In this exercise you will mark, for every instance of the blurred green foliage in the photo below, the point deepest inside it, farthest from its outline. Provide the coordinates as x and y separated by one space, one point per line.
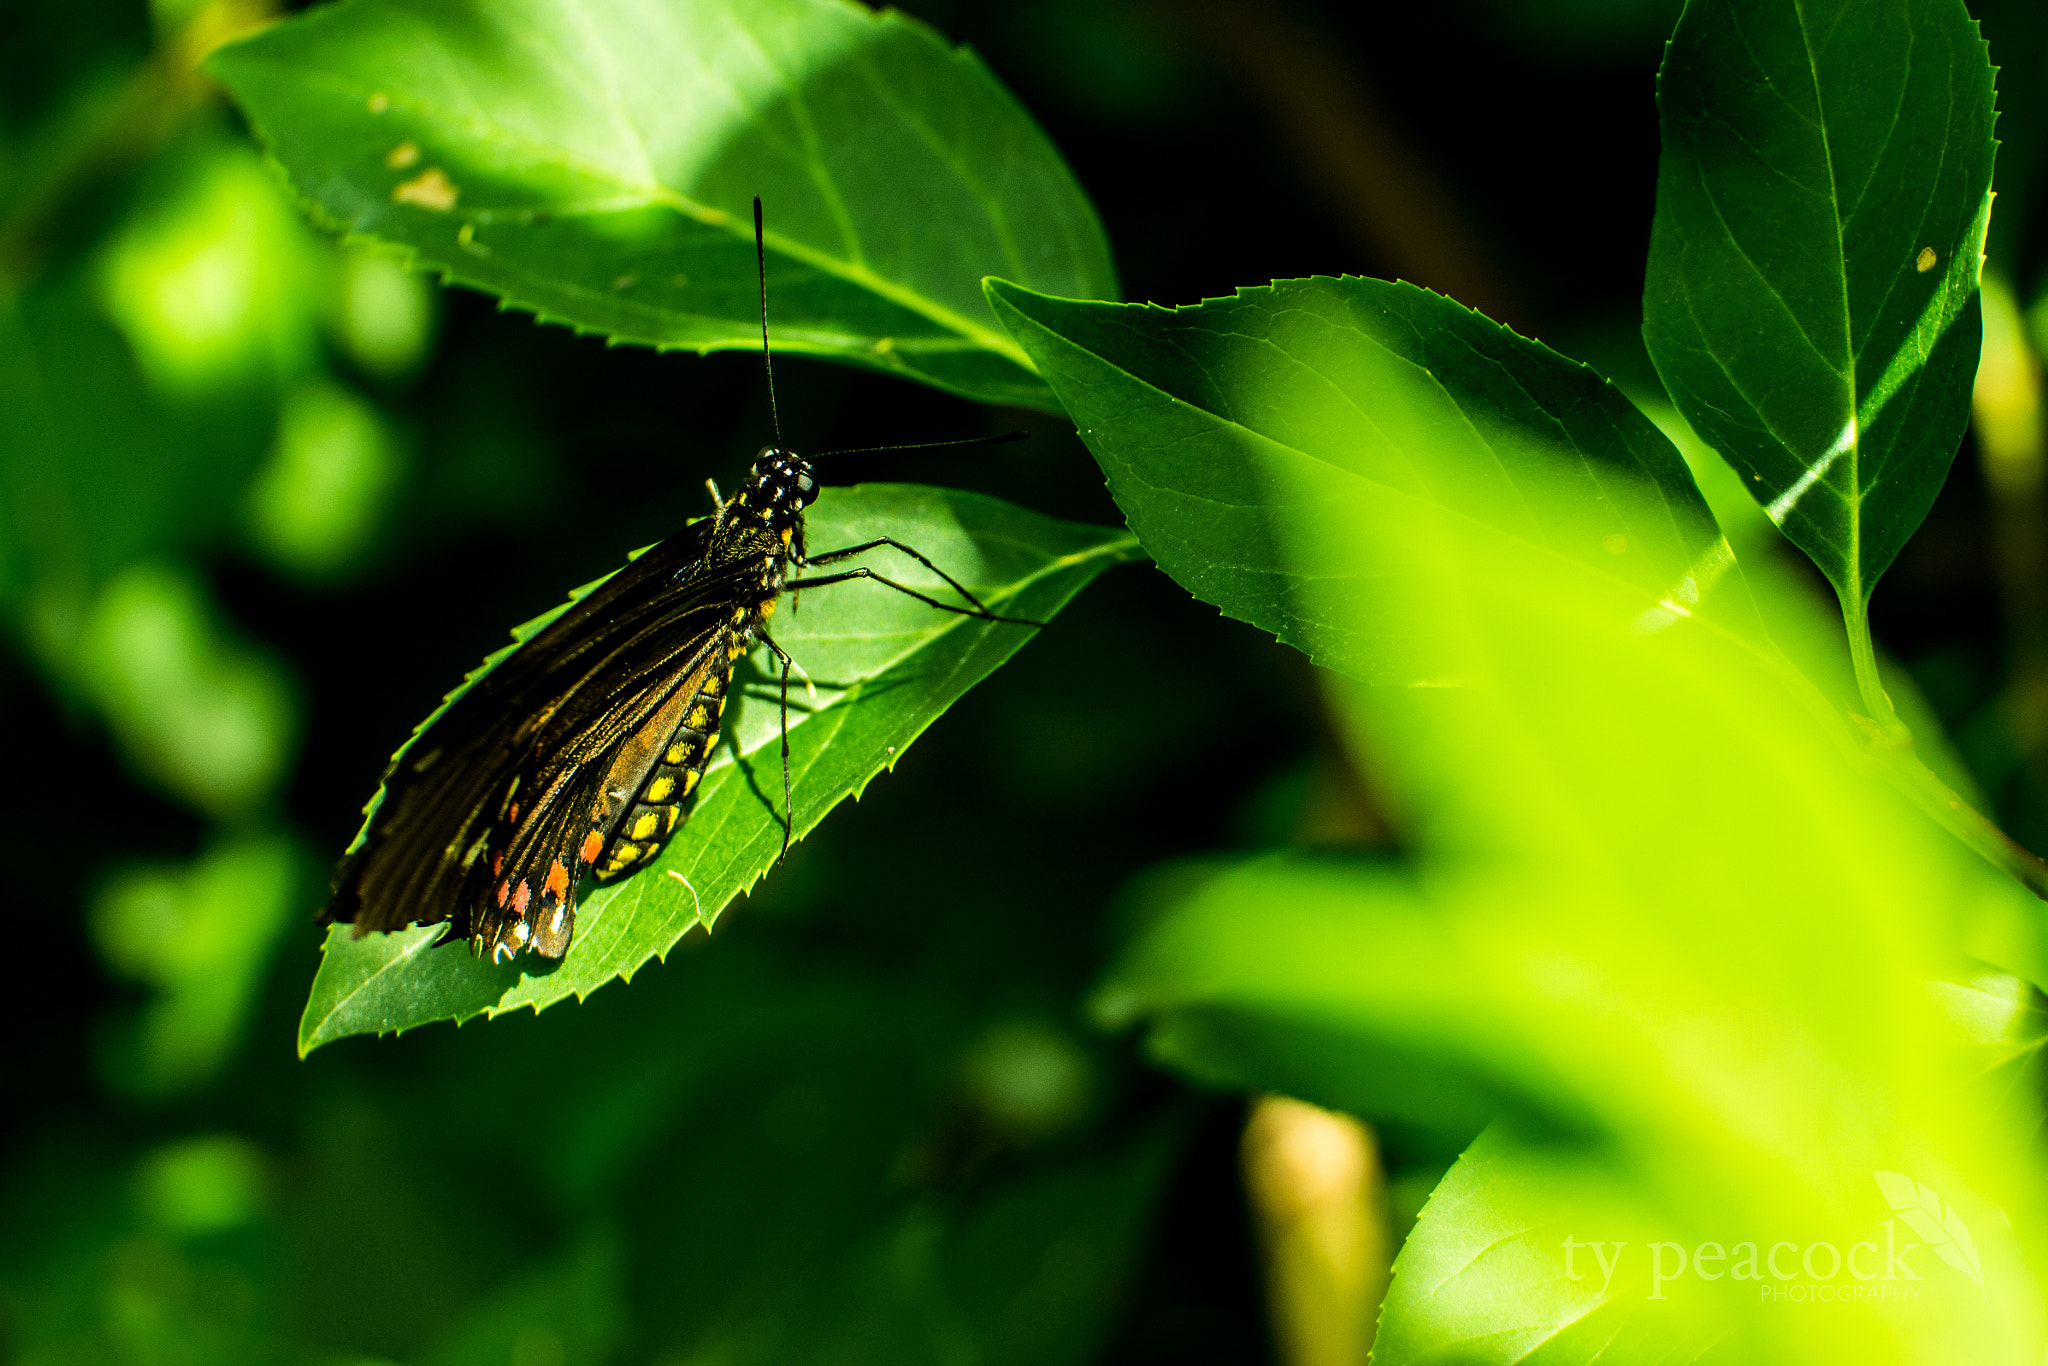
1621 932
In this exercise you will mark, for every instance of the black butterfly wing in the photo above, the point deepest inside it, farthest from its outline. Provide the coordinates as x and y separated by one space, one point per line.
539 850
540 723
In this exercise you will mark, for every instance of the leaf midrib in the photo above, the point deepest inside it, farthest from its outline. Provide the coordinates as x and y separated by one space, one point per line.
926 640
1853 498
340 1002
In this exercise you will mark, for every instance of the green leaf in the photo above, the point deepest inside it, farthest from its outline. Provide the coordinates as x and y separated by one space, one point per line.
1533 1255
1654 911
1812 295
595 163
1225 425
1333 981
883 665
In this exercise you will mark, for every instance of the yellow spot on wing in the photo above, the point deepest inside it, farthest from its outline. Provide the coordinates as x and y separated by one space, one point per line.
645 827
658 790
679 754
699 717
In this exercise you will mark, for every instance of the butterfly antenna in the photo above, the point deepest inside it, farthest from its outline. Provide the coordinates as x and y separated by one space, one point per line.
767 364
1005 439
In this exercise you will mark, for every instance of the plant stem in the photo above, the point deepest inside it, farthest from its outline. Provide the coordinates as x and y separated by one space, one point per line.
1928 792
1856 619
1892 743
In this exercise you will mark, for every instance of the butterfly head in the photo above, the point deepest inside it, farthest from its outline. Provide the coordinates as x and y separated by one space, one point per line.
779 487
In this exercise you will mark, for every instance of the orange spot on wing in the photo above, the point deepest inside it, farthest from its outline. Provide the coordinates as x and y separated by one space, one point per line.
504 890
593 845
497 867
558 880
520 899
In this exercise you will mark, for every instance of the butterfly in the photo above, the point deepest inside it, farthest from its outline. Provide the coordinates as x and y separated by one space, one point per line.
575 757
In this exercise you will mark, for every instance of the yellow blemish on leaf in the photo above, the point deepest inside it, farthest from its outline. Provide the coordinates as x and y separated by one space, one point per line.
624 282
1614 543
679 280
403 155
1924 262
379 102
430 189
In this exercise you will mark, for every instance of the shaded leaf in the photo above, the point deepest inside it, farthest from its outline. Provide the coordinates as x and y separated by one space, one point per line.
884 667
1224 426
596 163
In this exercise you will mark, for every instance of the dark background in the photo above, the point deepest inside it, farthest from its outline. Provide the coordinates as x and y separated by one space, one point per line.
1503 152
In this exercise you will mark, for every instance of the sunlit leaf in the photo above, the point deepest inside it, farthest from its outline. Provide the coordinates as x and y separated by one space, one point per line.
596 165
1655 912
1533 1255
883 665
1811 303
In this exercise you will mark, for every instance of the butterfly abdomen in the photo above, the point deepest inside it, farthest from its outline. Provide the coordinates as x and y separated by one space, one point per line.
657 808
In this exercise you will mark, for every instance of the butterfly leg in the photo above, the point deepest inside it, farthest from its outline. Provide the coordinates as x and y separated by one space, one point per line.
978 612
788 811
850 551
